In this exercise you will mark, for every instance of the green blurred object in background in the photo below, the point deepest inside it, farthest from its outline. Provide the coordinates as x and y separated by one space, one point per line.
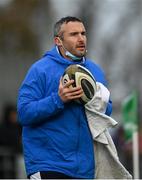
130 115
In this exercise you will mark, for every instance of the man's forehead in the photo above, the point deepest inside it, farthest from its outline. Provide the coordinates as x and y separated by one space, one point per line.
73 26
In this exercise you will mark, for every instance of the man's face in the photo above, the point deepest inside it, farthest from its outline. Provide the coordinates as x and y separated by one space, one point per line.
74 38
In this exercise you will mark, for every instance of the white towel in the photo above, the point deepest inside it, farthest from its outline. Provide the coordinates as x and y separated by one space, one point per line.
107 164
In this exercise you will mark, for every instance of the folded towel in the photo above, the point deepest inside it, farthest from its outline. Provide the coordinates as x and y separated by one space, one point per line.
107 164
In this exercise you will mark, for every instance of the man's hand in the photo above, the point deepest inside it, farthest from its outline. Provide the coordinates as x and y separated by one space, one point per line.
67 92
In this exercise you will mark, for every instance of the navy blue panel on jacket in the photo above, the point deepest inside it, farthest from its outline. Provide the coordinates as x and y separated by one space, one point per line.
55 136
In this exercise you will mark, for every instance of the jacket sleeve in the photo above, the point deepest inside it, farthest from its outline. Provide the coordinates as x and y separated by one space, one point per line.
33 107
109 108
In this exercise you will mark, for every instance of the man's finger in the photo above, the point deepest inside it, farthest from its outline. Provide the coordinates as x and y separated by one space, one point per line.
68 83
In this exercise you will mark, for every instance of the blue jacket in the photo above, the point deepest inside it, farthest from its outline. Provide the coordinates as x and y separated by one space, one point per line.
55 135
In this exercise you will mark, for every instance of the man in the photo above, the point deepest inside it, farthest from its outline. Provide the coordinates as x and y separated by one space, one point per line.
57 141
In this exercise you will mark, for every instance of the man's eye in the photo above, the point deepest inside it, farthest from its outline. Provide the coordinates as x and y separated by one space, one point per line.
74 34
83 33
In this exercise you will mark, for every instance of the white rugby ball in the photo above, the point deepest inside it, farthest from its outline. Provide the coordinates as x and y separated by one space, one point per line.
82 77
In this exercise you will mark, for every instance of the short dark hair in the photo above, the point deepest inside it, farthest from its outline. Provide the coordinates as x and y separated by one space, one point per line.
58 24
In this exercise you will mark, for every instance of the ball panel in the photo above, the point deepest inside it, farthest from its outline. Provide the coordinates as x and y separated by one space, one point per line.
88 88
86 82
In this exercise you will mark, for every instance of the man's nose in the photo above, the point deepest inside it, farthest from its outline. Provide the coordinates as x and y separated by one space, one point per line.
81 37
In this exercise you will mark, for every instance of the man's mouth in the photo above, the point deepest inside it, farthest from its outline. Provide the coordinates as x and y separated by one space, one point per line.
81 48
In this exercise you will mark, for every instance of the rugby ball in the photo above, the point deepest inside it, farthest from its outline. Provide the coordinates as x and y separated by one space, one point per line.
82 77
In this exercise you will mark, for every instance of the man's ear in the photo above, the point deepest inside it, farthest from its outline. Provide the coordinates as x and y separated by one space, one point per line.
57 41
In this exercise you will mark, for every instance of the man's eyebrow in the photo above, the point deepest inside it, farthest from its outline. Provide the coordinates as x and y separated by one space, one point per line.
77 32
74 32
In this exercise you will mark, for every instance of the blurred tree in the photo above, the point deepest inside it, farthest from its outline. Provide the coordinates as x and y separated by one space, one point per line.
16 36
16 31
25 28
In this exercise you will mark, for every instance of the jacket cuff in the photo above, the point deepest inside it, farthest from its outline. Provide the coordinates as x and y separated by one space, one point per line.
57 100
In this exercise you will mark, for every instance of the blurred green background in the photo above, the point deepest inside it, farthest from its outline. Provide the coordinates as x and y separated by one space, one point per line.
114 42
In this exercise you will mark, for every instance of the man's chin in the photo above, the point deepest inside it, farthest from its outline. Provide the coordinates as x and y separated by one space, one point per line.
81 53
